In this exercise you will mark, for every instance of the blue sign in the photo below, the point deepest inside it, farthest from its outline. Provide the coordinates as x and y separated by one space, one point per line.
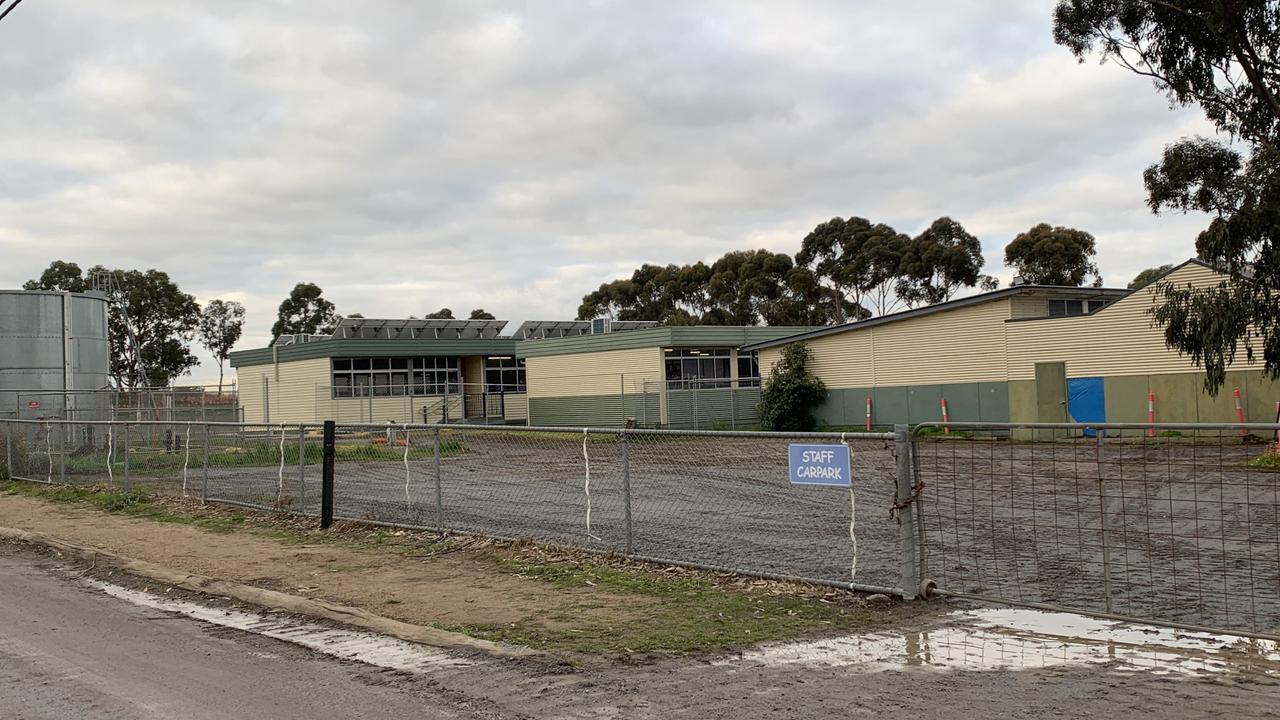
819 465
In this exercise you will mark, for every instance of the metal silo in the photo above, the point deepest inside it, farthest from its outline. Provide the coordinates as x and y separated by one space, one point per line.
53 344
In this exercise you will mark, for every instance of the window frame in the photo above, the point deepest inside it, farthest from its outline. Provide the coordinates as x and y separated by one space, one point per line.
692 364
395 376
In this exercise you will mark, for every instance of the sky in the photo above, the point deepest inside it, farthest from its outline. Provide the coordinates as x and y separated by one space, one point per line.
514 155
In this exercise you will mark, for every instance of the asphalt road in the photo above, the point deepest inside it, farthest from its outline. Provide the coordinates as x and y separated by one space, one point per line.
69 652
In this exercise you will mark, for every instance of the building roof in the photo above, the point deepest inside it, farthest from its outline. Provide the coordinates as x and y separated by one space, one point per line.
661 336
414 329
357 347
546 329
1070 292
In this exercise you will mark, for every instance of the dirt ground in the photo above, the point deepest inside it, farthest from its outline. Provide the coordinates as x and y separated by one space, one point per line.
1174 529
453 588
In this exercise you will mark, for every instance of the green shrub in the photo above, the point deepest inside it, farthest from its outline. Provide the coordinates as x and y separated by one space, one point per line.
1268 461
791 393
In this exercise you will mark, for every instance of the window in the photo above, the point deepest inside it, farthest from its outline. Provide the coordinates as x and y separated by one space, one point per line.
693 368
383 377
504 374
1064 308
748 369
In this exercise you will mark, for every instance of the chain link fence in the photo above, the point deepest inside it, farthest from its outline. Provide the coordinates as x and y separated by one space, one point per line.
715 500
1174 524
1178 524
169 404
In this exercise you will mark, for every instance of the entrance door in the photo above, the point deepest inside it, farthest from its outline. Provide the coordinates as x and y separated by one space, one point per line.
1051 392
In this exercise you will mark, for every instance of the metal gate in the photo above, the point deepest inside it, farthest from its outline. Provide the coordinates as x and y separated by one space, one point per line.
1165 523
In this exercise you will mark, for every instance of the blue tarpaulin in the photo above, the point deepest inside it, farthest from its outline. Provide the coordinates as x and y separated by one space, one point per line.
1086 401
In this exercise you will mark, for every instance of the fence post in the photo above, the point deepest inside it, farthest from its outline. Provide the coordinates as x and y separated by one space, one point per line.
127 485
326 478
62 454
1102 521
626 487
909 573
302 469
204 477
439 490
8 450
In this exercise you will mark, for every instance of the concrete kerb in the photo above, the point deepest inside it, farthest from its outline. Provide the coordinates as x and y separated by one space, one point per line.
271 599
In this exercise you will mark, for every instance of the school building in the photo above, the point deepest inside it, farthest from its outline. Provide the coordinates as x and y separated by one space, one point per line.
689 377
597 373
1027 353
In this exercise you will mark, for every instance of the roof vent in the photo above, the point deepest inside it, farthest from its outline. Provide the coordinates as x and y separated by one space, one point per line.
601 326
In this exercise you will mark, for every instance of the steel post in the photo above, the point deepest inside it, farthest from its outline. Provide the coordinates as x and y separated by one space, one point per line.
204 477
326 477
127 485
626 488
439 483
909 571
62 454
1102 520
302 469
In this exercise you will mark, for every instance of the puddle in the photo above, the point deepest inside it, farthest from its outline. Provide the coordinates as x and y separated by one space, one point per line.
1015 639
369 648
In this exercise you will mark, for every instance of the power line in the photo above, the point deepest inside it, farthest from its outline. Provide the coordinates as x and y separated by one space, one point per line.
9 9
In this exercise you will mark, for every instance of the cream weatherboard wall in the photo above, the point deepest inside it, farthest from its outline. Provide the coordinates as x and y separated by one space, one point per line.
290 389
1120 339
955 346
907 368
1121 344
596 388
981 359
299 392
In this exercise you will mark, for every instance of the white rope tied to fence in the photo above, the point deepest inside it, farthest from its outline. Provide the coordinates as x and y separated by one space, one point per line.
280 478
111 446
586 462
853 518
186 459
407 499
48 450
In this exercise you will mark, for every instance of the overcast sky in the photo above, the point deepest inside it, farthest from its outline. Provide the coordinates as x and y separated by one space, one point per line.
411 155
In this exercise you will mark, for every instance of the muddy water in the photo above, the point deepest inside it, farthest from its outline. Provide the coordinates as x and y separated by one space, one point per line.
1013 639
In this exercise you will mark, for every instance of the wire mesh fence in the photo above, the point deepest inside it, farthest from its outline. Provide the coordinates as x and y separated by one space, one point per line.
1169 523
169 404
719 500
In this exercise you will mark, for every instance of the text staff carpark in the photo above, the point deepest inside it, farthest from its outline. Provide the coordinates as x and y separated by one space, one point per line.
819 465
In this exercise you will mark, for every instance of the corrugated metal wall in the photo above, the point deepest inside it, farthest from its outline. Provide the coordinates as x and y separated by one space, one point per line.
713 408
640 408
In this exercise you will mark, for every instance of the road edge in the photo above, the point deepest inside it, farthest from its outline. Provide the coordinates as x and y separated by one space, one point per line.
275 600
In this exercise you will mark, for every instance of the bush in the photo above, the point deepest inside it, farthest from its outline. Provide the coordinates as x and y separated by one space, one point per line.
791 393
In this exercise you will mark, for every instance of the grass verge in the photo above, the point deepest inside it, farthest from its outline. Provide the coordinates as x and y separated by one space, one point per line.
693 611
1268 461
659 610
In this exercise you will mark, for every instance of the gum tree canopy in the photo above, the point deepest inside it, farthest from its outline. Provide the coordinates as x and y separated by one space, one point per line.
1222 56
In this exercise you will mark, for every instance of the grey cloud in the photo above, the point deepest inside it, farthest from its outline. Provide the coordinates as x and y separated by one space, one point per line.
514 155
